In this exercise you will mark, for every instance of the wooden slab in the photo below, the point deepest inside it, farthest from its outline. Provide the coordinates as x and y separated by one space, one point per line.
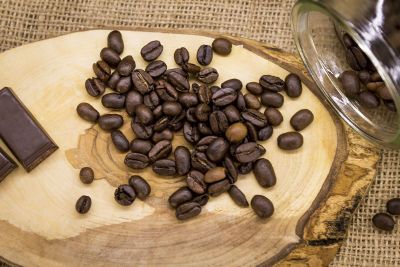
319 186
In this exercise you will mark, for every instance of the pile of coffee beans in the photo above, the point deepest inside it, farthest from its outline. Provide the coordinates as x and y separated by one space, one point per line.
384 220
363 82
222 124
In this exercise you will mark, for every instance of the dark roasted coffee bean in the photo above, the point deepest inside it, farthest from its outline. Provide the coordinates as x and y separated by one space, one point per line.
179 80
222 46
164 167
166 91
373 86
204 142
245 168
264 173
115 41
102 70
254 88
383 221
204 55
290 140
350 82
191 133
203 112
142 131
182 160
141 186
235 84
151 100
195 87
214 175
375 77
224 96
140 146
119 140
83 204
231 170
204 129
188 210
110 56
113 100
180 196
236 132
293 85
191 115
151 51
114 79
161 124
133 99
274 116
271 99
126 66
160 150
95 87
217 149
204 94
252 132
171 108
200 162
364 76
176 122
262 206
157 112
86 175
181 56
196 183
237 196
218 122
356 58
301 119
240 103
214 89
165 134
156 68
232 113
142 81
191 68
188 100
384 93
144 114
218 188
348 41
248 152
87 112
178 71
124 85
255 117
201 199
125 195
136 160
265 133
272 83
110 122
252 101
208 75
393 206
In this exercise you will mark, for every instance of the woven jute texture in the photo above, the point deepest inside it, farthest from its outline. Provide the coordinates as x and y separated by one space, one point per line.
268 21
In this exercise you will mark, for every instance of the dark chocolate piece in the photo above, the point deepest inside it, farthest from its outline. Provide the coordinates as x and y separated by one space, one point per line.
7 165
22 134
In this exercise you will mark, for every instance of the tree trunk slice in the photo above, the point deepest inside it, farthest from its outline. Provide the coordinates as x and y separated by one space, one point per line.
319 186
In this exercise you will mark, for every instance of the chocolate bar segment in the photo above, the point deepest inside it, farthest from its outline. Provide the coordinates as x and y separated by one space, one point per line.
22 134
7 165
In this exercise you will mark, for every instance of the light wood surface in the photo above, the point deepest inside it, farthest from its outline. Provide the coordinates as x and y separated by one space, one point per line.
318 186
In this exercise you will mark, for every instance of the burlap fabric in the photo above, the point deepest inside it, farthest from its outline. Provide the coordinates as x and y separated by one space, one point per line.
268 21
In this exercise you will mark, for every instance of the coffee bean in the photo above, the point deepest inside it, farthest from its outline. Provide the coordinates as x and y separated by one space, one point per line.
141 146
188 210
237 196
224 96
264 173
95 87
204 142
87 112
191 68
373 86
350 82
188 100
204 129
222 46
252 101
231 170
245 168
232 113
203 112
290 141
390 105
301 119
180 196
271 99
262 206
240 103
115 41
384 93
265 133
160 150
176 122
144 114
162 121
125 195
141 186
181 56
151 100
195 87
136 160
166 91
218 122
113 100
218 188
215 174
201 199
102 70
255 117
110 56
191 133
368 99
156 68
124 85
252 132
383 221
182 160
204 94
248 152
126 66
179 81
201 163
119 140
214 89
254 88
274 116
217 149
164 167
142 81
151 51
83 204
236 132
195 181
235 84
364 76
204 55
393 206
142 131
110 122
190 115
272 83
133 99
171 108
208 75
356 58
165 134
157 112
86 175
114 79
293 85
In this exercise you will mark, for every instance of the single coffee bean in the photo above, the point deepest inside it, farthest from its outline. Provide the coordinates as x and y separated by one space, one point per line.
204 94
262 206
236 132
393 206
195 181
142 131
87 112
350 82
214 89
161 124
204 55
224 96
115 41
83 204
114 79
125 195
144 114
390 105
272 83
142 81
293 85
201 199
237 196
368 99
235 84
232 113
179 81
133 99
95 87
102 70
231 170
164 167
165 134
383 221
222 46
182 160
119 140
364 76
265 133
301 119
188 100
218 122
248 152
191 68
152 50
204 129
110 56
171 108
255 117
290 141
254 88
156 68
180 196
136 160
203 112
178 71
240 103
151 100
215 174
271 99
208 75
110 122
157 112
188 210
126 66
218 188
201 163
181 56
166 91
252 132
383 92
245 168
141 186
252 101
348 42
124 85
86 175
356 58
375 77
204 142
274 116
191 133
217 149
160 150
113 100
190 115
373 86
141 146
264 173
195 87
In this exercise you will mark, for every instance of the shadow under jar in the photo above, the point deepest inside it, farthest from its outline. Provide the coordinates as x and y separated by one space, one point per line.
329 34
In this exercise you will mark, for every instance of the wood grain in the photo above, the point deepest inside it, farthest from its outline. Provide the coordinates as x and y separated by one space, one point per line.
318 186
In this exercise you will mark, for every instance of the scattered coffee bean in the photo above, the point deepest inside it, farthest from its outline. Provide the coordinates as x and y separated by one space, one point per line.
191 133
165 134
235 84
125 195
179 81
164 167
201 163
240 103
124 85
217 149
142 131
245 168
293 85
102 70
151 100
182 160
113 100
224 96
110 56
271 99
201 199
383 221
218 188
265 133
368 99
254 88
95 87
166 91
136 160
252 101
115 41
188 100
272 83
188 210
142 81
264 173
290 141
191 68
236 132
232 113
86 175
204 142
274 116
203 112
301 119
248 152
204 94
144 114
222 46
393 206
133 99
218 122
255 117
195 181
151 51
114 79
231 170
350 82
356 58
119 140
160 150
237 196
215 174
262 206
204 55
156 68
252 133
181 56
141 186
171 108
87 112
83 204
180 196
208 75
110 122
141 146
126 66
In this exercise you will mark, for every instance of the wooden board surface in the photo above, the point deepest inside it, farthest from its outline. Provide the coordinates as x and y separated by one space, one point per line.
318 187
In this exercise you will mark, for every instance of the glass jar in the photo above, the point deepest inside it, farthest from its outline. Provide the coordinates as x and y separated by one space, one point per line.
324 31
